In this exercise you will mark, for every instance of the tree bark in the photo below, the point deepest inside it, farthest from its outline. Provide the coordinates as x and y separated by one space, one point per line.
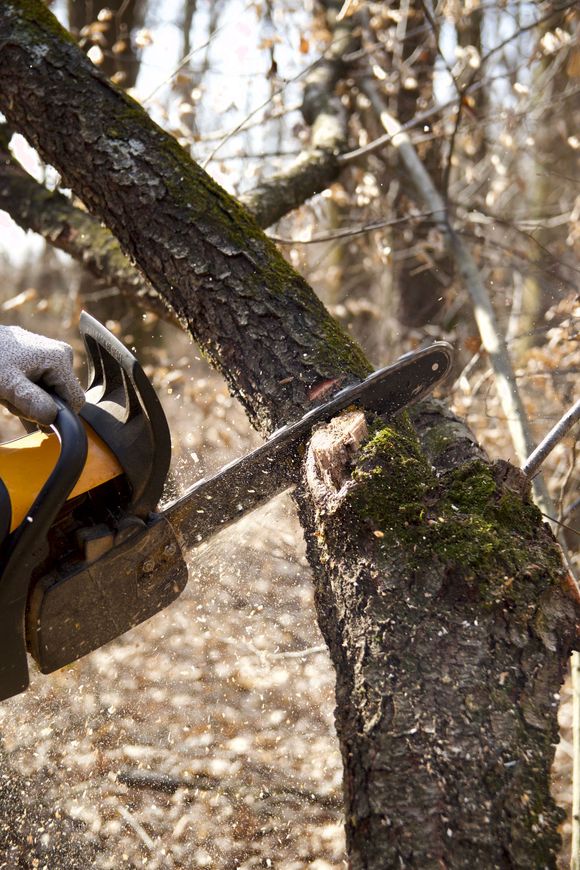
72 230
449 642
439 590
199 248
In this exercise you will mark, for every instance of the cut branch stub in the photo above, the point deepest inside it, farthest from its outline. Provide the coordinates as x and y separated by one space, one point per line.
331 449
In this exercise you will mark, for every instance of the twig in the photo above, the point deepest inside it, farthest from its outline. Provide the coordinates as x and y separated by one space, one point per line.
185 60
216 135
349 231
317 166
274 94
137 827
556 10
534 462
560 524
299 653
231 787
378 143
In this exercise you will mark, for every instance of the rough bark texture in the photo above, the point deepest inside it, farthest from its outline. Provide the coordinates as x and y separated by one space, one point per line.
439 590
198 247
443 601
68 228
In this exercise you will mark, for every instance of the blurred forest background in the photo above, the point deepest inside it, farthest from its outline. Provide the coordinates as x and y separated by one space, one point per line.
205 738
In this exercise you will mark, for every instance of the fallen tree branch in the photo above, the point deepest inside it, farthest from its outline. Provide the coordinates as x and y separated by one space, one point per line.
232 787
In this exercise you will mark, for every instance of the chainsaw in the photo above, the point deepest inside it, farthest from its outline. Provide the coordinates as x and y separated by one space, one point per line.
85 551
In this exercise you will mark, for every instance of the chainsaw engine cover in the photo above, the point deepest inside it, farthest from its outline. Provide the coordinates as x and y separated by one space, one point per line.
76 608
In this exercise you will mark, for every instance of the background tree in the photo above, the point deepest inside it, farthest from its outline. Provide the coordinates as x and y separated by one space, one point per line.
439 592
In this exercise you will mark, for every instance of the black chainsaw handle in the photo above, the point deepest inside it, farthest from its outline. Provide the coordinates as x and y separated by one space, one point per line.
26 547
69 429
71 434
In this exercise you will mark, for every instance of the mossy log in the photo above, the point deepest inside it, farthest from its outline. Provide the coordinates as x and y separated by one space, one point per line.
439 590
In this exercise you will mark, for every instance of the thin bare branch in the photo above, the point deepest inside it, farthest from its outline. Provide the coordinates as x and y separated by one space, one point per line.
342 43
491 337
185 60
274 116
351 231
378 143
322 109
536 459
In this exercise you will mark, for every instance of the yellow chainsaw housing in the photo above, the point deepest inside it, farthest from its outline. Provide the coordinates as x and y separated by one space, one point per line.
26 463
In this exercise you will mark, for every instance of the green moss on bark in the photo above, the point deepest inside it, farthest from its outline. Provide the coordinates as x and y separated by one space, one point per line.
465 519
234 229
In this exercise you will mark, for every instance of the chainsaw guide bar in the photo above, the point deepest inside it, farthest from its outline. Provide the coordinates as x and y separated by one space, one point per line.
90 560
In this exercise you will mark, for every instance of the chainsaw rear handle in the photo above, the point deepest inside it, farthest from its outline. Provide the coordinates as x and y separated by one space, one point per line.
27 547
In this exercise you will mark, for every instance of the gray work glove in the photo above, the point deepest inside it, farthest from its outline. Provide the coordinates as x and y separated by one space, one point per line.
27 359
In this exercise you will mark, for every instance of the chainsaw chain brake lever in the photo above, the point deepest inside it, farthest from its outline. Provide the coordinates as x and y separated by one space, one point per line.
123 409
27 547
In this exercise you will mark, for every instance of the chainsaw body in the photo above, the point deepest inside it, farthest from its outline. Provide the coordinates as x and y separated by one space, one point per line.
85 552
83 555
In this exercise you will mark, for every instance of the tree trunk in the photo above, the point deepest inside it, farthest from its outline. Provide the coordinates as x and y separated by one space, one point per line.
449 642
440 592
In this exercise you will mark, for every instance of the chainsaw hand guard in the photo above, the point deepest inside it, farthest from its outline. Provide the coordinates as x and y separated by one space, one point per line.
124 411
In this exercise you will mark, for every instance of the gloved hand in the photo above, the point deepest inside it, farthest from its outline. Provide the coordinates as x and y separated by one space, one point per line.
26 359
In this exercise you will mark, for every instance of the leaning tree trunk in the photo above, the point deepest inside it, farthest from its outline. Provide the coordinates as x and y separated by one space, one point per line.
439 590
